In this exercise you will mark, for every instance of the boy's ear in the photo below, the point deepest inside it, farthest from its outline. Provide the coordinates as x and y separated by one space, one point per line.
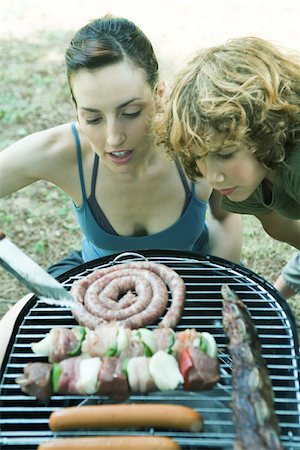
160 95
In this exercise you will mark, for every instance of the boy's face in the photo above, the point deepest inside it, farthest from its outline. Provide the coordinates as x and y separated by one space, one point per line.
232 169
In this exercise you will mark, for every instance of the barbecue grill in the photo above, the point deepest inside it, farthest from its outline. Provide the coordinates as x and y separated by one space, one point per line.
24 421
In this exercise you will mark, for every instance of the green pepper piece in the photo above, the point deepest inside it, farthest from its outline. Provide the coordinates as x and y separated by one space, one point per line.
56 372
77 349
171 343
147 350
111 351
203 344
124 365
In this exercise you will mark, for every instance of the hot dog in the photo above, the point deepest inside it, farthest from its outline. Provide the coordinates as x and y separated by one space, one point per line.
127 415
111 443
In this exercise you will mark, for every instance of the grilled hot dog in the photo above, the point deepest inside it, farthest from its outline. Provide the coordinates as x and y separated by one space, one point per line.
111 443
127 415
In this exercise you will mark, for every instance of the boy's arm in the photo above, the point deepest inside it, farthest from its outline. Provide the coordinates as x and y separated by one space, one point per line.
281 228
225 231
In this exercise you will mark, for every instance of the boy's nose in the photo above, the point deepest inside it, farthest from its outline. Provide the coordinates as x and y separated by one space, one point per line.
210 171
215 177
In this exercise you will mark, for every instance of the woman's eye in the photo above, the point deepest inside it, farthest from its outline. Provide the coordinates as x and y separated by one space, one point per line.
132 115
93 121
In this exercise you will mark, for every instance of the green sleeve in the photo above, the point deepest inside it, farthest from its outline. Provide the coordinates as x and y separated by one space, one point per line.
251 206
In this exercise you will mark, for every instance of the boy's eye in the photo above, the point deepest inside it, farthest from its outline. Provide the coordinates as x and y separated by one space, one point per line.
225 155
196 158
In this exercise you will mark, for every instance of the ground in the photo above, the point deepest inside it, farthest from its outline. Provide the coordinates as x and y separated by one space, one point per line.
34 95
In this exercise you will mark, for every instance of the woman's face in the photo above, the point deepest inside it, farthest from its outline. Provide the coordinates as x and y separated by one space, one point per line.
232 170
115 106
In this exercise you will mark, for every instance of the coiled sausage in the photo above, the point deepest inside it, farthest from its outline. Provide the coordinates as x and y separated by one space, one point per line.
97 295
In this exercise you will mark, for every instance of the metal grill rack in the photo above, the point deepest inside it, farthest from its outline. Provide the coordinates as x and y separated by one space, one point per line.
24 421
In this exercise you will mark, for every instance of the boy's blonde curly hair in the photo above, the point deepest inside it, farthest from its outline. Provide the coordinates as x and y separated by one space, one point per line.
247 90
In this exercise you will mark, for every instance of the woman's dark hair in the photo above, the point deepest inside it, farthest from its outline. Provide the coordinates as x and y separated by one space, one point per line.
110 40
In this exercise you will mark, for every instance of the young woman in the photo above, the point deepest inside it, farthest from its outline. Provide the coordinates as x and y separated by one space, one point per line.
127 195
233 118
125 192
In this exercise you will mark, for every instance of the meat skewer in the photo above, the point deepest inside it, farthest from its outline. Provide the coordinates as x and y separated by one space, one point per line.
116 377
101 376
139 353
113 340
256 424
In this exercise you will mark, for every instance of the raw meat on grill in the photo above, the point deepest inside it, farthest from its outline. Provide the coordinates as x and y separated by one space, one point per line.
100 376
60 343
36 380
112 380
113 340
67 372
256 424
202 371
111 376
104 340
143 285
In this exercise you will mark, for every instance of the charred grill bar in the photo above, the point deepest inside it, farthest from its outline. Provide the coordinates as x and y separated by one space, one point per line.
24 421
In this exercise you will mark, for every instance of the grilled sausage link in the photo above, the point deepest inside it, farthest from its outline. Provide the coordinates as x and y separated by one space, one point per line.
97 295
127 415
111 443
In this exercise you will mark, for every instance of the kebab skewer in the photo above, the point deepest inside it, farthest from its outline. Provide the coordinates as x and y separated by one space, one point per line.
114 340
117 377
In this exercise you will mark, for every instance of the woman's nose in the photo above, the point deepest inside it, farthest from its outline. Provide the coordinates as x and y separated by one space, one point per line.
115 135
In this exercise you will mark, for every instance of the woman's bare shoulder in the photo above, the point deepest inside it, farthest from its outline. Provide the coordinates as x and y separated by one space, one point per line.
53 141
43 143
38 156
57 148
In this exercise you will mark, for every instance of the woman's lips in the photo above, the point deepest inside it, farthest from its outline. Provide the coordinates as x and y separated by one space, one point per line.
226 191
120 156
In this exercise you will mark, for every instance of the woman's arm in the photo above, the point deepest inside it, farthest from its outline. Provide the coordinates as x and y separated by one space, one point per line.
7 324
16 164
225 231
281 228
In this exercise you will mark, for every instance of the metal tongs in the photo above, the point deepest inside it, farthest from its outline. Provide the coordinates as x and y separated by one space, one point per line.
33 276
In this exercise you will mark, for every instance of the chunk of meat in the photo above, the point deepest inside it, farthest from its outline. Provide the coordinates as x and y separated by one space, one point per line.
256 424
